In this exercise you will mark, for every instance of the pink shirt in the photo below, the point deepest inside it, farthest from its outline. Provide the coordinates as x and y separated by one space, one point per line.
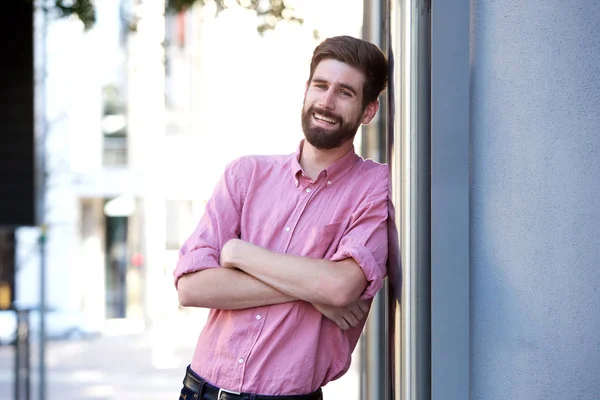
288 348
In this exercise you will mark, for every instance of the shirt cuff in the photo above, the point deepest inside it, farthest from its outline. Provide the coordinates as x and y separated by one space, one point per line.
364 258
192 262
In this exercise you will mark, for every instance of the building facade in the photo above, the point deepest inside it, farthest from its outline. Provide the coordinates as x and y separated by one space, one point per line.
493 146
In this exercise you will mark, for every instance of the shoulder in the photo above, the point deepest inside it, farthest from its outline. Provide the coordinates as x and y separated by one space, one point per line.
374 171
253 164
373 179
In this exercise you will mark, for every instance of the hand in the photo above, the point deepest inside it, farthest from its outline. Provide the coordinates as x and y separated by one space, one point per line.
345 317
228 253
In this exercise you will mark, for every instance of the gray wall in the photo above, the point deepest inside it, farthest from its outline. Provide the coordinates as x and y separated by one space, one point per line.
535 199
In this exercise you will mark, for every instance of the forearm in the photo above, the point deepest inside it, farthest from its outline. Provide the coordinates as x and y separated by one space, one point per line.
226 289
309 279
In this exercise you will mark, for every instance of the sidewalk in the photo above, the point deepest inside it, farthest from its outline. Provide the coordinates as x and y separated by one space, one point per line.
139 365
125 366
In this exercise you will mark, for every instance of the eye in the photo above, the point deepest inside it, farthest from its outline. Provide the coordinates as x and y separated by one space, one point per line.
321 86
346 93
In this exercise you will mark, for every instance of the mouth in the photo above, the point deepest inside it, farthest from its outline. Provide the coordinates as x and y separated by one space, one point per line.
325 120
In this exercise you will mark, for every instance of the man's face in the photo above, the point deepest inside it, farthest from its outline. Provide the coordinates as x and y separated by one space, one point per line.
332 110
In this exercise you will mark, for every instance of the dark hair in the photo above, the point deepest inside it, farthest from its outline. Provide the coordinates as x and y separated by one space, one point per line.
360 54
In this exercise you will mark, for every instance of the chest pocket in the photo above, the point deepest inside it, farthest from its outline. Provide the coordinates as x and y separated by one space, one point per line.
322 241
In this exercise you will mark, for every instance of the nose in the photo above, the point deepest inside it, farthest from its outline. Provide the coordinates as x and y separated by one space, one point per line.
327 100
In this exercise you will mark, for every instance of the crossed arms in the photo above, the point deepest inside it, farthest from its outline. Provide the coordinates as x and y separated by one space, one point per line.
216 270
251 276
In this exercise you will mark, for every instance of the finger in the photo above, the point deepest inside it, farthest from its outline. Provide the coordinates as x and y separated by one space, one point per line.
356 311
364 305
351 319
341 322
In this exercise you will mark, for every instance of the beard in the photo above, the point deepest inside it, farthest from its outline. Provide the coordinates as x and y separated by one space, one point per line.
327 139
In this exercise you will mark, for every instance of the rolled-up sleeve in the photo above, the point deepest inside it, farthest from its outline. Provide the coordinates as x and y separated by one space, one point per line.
366 238
219 223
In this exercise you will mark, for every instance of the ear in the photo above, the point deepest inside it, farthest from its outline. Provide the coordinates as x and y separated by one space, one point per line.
370 111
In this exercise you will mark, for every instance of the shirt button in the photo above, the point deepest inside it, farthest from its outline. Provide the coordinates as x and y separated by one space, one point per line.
241 360
329 182
258 317
307 190
287 228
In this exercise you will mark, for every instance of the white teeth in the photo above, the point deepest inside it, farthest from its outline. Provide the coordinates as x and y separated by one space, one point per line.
324 118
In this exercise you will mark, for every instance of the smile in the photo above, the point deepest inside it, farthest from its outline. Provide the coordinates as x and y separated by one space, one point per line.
321 117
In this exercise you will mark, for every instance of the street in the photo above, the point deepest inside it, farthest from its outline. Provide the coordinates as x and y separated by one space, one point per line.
125 362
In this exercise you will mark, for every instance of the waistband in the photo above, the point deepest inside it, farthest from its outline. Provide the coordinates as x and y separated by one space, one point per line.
199 386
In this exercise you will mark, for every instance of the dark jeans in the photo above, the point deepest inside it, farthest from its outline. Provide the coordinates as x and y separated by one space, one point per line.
187 394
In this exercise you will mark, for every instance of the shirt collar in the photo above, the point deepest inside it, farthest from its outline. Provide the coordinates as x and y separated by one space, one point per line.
334 171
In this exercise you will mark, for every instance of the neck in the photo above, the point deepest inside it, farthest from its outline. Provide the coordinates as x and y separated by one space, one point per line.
313 160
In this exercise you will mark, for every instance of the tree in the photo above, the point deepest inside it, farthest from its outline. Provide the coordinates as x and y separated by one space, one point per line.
269 12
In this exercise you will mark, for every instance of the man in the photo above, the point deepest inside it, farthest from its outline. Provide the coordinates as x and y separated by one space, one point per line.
291 249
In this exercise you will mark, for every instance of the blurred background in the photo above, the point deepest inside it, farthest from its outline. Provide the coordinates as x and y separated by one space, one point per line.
117 117
138 107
